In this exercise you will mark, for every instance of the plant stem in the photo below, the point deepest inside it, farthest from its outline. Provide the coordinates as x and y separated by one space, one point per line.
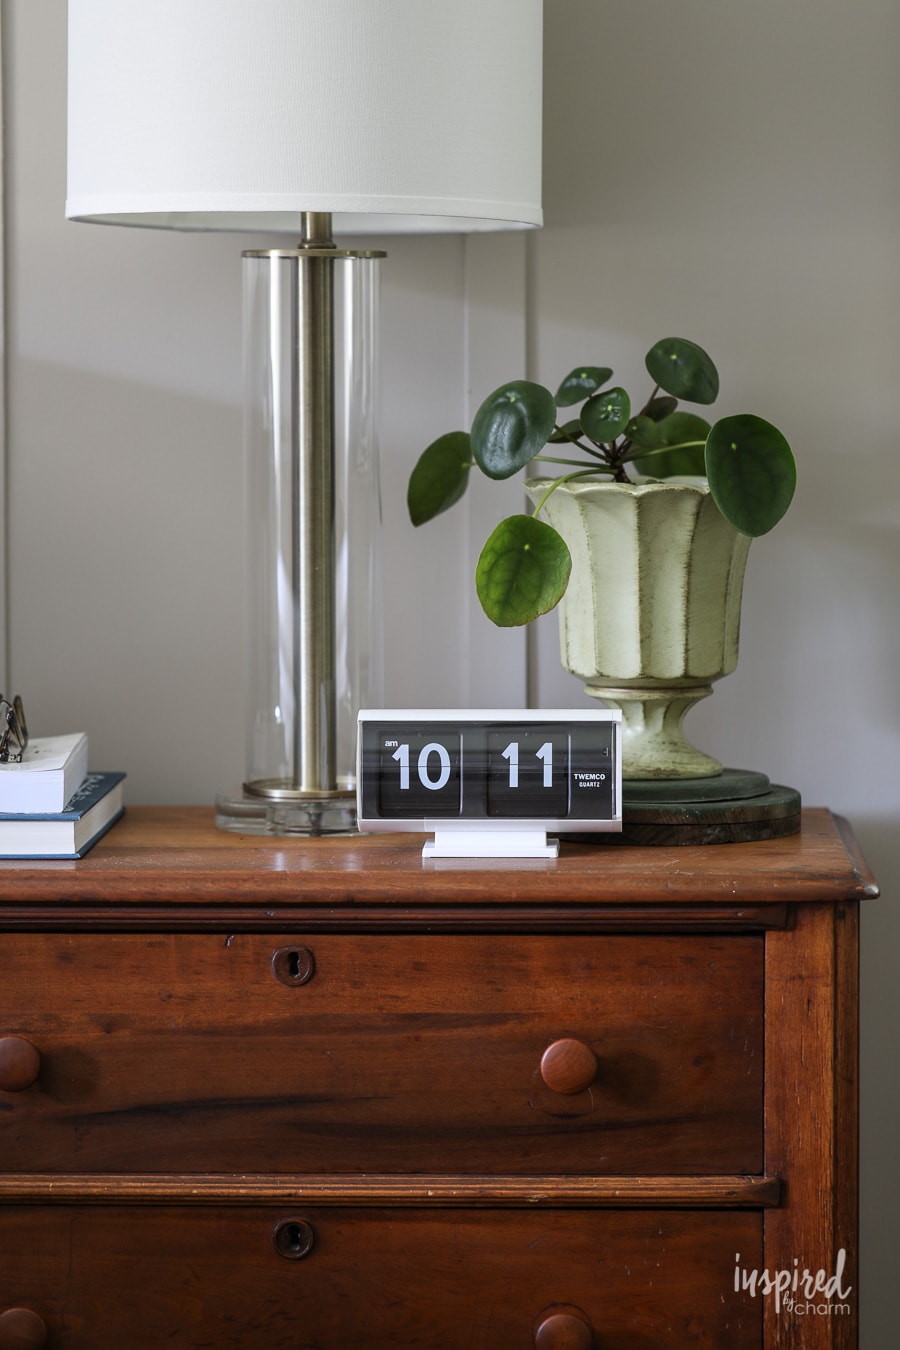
664 449
557 482
594 450
643 411
552 459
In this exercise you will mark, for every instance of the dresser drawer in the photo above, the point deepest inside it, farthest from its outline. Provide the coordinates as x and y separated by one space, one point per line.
102 1277
348 1053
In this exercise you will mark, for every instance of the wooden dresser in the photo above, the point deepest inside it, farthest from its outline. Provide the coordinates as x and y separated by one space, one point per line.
319 1095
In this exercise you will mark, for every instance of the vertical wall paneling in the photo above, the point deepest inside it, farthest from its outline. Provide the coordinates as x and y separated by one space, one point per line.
495 351
4 569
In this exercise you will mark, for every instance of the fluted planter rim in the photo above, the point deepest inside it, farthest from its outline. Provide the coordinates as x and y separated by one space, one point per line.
582 487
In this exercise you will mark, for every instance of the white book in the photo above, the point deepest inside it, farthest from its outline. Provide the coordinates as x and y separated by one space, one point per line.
52 770
89 813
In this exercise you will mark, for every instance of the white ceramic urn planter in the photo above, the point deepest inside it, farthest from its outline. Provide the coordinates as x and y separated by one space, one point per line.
651 616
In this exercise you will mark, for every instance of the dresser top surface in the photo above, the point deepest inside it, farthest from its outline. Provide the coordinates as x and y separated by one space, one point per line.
176 856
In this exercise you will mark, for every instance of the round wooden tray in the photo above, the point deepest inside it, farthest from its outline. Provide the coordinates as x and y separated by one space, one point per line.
737 806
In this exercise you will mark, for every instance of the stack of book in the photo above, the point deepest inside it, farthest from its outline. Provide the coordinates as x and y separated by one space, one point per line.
51 805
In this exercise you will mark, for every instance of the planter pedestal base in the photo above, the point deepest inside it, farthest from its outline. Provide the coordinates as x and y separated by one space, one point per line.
654 746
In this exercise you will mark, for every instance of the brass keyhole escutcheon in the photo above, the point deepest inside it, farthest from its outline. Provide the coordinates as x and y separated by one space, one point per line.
293 965
293 1239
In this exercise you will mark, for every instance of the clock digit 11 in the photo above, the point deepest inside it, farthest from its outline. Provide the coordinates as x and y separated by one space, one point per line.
545 753
527 773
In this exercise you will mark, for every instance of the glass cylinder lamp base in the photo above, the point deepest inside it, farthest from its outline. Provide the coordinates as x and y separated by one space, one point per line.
310 815
314 644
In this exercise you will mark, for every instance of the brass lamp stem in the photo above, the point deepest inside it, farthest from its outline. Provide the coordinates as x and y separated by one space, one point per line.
313 505
315 230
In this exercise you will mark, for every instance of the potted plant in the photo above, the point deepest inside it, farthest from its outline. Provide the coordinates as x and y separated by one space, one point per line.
641 539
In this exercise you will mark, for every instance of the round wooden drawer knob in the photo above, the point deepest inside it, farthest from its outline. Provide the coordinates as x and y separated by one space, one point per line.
22 1329
568 1066
567 1329
20 1064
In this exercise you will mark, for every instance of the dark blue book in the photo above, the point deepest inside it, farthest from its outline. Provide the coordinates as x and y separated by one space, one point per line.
89 813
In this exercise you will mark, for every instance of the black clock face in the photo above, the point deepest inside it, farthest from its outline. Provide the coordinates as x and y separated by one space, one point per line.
487 770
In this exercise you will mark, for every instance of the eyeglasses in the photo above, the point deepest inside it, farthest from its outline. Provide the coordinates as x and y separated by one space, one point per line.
13 730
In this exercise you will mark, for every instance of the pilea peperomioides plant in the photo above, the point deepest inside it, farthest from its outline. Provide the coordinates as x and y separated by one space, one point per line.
524 567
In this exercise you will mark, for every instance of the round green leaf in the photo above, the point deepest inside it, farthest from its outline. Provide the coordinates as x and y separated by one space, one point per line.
523 571
568 432
440 476
684 370
751 472
581 383
687 459
512 426
643 432
660 407
605 416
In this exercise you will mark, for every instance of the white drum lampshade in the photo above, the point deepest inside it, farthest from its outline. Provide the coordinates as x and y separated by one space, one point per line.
392 115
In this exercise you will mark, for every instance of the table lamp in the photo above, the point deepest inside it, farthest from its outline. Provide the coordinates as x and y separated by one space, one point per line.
307 117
